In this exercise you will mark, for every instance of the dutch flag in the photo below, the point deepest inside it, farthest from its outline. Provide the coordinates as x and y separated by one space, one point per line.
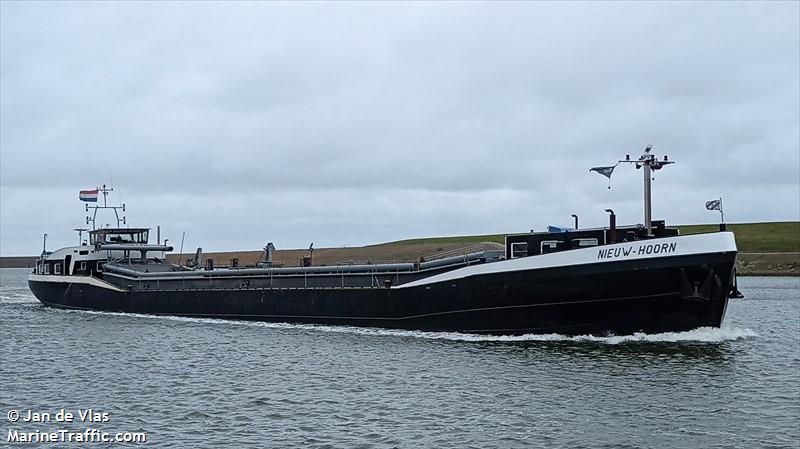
90 196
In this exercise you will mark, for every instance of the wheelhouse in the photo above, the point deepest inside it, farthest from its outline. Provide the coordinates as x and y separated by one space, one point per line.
118 235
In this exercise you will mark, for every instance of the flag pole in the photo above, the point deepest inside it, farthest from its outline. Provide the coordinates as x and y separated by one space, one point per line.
721 214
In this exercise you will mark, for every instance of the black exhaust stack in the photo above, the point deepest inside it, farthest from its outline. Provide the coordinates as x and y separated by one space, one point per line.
612 225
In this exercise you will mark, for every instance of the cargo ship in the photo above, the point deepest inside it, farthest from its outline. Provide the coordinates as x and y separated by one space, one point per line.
614 280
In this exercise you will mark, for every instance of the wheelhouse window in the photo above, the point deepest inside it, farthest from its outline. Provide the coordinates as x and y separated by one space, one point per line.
47 268
100 266
551 246
38 268
519 249
119 236
83 266
56 268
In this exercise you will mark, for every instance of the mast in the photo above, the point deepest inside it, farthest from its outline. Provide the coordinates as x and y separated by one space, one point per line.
650 163
648 195
105 206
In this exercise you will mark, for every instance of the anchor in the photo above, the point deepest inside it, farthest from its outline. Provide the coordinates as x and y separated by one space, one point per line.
735 293
697 291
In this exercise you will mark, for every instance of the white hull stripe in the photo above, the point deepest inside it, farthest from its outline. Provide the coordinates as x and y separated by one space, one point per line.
86 280
685 245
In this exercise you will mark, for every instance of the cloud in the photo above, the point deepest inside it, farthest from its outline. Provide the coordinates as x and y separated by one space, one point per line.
392 120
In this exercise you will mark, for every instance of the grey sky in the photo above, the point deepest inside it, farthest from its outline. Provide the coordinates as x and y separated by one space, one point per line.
357 123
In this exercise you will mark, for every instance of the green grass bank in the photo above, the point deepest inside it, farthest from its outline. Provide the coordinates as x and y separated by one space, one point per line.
764 249
775 237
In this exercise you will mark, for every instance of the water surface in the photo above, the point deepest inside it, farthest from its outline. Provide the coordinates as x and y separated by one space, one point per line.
213 383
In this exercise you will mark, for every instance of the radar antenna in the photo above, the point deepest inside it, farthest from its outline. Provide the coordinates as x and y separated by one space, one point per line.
80 234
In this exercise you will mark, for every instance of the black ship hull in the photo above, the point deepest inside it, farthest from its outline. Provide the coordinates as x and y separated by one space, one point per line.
657 294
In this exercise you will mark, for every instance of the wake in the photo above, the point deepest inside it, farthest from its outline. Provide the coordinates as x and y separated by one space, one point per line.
699 335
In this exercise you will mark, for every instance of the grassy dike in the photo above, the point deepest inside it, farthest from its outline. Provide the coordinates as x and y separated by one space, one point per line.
778 237
764 249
